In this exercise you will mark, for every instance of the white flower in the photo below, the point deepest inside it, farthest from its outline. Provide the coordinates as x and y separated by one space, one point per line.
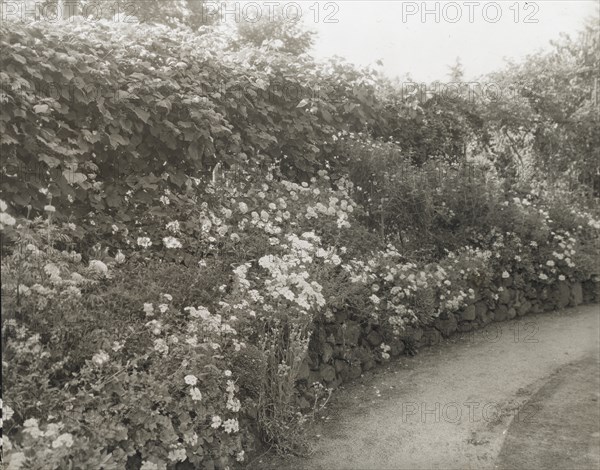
148 309
200 312
216 422
120 257
177 455
17 460
144 242
163 308
169 297
165 200
31 423
231 425
155 326
173 226
196 394
100 358
6 219
243 207
550 263
190 438
50 208
171 242
227 373
7 412
505 275
65 439
3 206
234 405
240 456
160 346
23 290
52 270
190 379
561 277
147 465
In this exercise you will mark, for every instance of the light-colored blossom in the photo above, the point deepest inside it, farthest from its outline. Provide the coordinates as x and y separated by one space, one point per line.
190 379
64 440
231 425
144 242
216 422
100 358
171 242
196 394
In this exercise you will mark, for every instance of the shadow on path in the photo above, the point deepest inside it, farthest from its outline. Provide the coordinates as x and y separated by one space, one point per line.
452 406
562 428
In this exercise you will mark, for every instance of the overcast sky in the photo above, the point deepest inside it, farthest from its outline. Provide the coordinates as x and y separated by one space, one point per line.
406 41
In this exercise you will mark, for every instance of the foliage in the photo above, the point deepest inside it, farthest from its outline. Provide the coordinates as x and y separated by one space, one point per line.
107 127
197 207
547 116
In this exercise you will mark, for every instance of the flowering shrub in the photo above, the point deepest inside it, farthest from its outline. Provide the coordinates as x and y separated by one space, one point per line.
136 353
174 319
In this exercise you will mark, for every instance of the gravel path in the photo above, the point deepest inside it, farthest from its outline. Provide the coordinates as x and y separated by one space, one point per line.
453 405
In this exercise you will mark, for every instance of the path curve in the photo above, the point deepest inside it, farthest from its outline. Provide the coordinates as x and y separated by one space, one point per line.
452 405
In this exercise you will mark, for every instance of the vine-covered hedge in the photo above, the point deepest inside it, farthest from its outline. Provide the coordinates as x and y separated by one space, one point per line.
158 317
97 111
163 356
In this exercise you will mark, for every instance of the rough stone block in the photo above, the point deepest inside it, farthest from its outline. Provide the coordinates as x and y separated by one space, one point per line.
470 312
340 352
304 370
327 353
447 325
483 315
355 371
313 359
341 316
352 333
341 366
524 308
501 313
563 293
327 373
397 347
465 326
374 338
430 337
576 294
504 296
413 334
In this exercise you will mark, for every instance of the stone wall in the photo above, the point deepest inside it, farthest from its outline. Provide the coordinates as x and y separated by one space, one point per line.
344 347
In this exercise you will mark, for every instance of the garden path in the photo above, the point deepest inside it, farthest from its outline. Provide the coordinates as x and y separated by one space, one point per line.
472 402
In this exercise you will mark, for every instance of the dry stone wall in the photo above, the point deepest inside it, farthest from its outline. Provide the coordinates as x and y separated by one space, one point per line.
345 347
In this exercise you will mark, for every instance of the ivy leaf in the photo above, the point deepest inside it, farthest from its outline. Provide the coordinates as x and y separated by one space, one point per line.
302 103
52 162
41 109
143 115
